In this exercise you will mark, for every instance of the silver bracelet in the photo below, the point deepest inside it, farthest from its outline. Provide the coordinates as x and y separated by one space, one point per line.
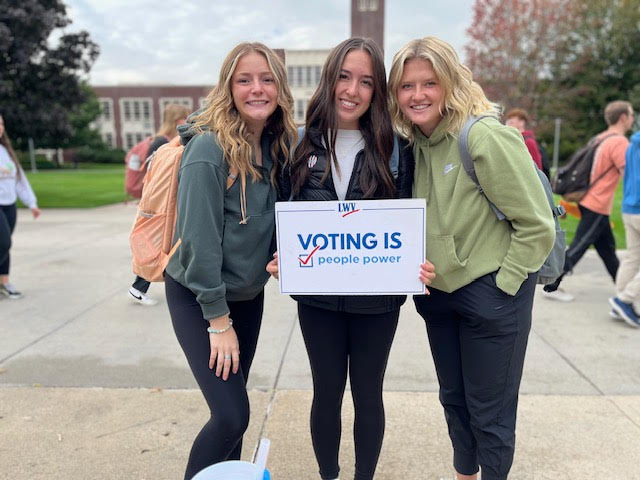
222 330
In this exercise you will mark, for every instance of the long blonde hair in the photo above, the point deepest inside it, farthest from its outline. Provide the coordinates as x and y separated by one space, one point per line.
462 96
220 115
172 114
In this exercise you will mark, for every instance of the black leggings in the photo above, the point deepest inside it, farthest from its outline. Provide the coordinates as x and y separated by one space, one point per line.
221 437
338 342
7 224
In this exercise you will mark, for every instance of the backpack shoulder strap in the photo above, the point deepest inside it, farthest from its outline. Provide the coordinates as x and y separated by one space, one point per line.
394 161
467 161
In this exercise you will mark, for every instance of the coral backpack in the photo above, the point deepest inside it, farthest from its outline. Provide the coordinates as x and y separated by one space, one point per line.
151 238
136 167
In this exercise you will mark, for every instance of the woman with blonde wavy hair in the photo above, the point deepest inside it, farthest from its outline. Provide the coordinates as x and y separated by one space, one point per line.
478 315
226 195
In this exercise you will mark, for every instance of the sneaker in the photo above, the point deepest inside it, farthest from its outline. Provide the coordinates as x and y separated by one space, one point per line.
613 314
9 291
141 297
559 295
626 311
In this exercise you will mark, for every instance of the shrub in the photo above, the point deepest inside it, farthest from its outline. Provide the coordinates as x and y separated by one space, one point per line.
99 155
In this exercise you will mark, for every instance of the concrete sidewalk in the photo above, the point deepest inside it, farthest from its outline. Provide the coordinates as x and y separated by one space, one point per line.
94 386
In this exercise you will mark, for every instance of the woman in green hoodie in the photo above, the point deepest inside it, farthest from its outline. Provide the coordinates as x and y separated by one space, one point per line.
226 195
478 315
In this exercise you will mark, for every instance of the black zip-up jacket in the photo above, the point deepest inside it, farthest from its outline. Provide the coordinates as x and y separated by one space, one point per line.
316 190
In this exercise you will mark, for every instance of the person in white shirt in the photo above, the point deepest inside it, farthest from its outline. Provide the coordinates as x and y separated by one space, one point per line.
13 185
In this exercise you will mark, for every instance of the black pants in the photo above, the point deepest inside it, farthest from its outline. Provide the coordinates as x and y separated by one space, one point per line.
593 229
141 284
478 336
7 224
337 343
221 437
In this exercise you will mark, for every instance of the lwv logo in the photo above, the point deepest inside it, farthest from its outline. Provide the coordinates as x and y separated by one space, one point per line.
348 208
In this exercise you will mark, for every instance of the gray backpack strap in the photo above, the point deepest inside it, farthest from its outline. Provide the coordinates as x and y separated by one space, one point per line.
395 158
467 161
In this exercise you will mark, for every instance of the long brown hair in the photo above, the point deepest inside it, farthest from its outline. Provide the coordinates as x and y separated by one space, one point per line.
375 125
6 142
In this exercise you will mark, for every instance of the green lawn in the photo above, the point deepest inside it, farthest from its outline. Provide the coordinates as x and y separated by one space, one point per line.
79 188
570 223
100 184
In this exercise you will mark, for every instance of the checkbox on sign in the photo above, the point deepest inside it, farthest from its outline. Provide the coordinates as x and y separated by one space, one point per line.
305 260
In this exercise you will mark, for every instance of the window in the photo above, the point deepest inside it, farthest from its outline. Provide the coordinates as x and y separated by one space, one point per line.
146 109
136 110
367 5
127 110
106 109
300 104
108 139
129 141
164 101
290 76
309 81
138 137
299 73
318 74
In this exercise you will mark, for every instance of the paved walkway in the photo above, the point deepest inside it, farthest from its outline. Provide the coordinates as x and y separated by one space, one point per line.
93 386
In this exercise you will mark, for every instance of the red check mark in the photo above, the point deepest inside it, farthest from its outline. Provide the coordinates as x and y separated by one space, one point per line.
349 213
305 261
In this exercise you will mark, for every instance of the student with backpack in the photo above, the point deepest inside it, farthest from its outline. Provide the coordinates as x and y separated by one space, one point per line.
595 201
13 185
172 116
478 314
226 196
344 154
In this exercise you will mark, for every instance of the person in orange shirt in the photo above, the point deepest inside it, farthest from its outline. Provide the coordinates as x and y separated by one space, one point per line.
594 227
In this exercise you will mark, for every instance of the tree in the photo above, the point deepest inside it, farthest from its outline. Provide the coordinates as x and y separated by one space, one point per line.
40 85
512 46
597 63
557 58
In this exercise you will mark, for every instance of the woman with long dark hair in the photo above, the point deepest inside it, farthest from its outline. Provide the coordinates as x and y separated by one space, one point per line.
13 185
344 155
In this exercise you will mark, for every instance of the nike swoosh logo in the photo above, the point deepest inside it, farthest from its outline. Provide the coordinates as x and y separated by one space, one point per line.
448 167
135 296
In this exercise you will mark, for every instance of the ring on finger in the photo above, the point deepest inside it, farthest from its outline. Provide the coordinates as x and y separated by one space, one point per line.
227 357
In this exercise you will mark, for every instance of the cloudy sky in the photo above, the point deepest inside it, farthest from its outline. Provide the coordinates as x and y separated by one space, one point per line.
186 42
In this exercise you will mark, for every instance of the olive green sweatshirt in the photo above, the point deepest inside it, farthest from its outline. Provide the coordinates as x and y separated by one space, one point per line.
219 258
464 238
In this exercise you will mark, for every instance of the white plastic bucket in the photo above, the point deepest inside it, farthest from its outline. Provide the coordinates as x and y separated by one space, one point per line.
232 470
239 470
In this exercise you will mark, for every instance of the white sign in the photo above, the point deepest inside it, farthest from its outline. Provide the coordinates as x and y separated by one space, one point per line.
361 247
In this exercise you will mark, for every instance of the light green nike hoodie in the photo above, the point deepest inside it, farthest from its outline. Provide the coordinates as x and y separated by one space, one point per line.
464 239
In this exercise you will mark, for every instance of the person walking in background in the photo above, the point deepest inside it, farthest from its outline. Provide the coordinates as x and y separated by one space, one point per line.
13 185
214 283
344 155
628 276
595 207
518 119
478 314
172 116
